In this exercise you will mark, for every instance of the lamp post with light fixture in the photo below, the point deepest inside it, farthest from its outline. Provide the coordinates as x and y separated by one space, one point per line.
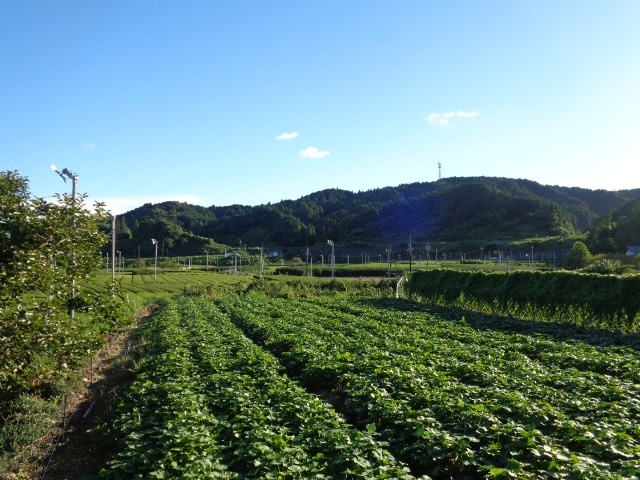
66 173
155 264
333 257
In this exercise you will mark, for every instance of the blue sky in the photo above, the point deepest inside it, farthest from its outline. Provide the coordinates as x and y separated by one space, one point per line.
249 102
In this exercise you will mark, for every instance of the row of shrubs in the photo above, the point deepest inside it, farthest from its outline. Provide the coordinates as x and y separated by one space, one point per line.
602 301
338 272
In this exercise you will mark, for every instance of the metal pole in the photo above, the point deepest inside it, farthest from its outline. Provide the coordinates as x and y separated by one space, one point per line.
155 264
74 180
113 248
73 259
333 257
261 264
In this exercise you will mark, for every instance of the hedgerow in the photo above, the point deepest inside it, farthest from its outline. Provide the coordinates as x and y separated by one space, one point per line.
603 301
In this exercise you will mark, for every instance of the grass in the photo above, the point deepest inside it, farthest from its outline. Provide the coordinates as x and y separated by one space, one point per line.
141 289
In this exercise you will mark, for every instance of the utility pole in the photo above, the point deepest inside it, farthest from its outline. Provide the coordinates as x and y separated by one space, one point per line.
113 248
155 264
410 250
307 258
261 264
532 256
333 257
74 180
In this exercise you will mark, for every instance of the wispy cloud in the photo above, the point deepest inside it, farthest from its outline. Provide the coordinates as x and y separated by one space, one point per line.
89 146
443 118
313 152
287 136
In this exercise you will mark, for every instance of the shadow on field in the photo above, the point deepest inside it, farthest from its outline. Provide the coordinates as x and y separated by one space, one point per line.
557 330
81 452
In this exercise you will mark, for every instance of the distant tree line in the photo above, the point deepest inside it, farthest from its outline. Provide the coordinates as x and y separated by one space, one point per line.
473 209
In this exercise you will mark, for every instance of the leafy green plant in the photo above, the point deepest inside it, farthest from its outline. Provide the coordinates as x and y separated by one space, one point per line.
606 302
578 257
605 266
27 419
50 322
458 396
204 392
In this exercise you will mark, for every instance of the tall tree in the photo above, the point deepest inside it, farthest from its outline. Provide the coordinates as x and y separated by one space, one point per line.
578 257
47 253
122 230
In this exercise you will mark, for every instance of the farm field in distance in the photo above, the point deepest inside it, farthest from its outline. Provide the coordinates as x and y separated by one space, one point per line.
258 386
141 289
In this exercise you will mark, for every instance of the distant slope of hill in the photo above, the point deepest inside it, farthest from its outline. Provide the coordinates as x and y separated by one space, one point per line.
616 231
450 209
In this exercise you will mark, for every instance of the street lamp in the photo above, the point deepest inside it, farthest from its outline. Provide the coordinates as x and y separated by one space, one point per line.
155 265
330 242
64 175
68 174
388 263
531 256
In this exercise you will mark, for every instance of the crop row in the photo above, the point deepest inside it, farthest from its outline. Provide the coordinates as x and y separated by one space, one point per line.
452 399
208 403
604 301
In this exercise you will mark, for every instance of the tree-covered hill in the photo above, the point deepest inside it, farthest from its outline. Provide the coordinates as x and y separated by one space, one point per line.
173 224
450 209
616 231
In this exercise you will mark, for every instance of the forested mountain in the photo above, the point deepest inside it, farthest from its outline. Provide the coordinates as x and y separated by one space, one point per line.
617 231
450 209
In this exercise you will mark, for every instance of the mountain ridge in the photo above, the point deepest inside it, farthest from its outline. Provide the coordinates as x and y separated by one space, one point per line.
446 210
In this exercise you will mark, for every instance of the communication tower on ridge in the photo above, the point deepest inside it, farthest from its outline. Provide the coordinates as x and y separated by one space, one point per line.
439 171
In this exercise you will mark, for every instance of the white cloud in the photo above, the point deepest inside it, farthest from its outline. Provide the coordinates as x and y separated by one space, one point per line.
120 205
89 146
313 152
443 118
287 136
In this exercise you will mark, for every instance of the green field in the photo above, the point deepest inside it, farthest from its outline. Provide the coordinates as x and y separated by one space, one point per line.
144 289
255 386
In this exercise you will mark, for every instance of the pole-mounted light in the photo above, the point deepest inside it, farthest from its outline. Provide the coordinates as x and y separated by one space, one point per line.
155 265
333 257
65 172
64 175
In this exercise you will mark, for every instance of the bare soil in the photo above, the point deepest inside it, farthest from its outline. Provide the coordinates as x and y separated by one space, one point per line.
75 453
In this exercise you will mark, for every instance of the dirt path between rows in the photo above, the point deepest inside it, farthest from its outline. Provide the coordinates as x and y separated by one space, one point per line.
75 454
